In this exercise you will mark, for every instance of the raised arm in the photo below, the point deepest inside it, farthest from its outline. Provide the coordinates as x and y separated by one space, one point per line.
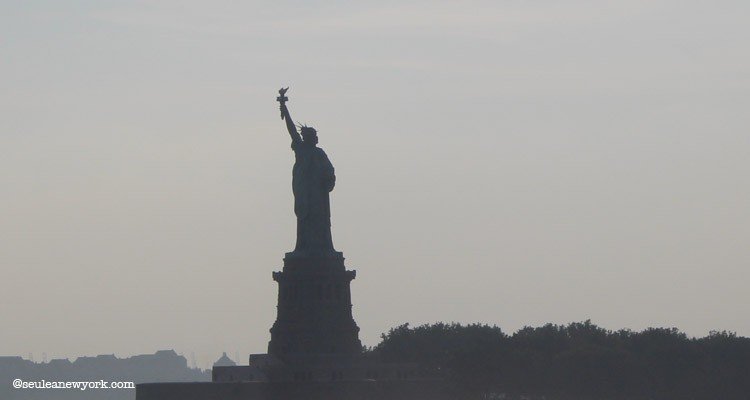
296 139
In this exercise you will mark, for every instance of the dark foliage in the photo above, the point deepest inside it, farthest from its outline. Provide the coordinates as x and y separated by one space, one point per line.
577 361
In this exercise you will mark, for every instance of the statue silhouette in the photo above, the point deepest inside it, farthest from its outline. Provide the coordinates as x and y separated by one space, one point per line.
312 179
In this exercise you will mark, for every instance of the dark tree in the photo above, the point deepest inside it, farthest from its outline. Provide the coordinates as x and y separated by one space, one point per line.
578 361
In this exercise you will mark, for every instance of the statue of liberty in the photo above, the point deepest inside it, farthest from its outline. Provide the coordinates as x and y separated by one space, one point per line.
312 180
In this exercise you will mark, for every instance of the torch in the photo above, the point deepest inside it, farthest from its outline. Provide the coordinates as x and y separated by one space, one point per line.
282 99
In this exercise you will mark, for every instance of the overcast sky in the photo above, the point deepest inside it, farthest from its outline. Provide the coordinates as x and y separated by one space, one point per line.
507 162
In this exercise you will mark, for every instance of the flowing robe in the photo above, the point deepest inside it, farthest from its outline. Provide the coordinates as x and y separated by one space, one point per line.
312 179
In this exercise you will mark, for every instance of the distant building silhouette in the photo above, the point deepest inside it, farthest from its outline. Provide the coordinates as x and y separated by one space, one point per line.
162 366
224 361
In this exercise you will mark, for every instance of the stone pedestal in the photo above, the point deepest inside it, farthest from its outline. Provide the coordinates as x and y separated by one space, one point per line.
314 311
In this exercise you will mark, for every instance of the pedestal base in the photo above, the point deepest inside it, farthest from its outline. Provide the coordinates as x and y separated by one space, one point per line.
307 377
314 313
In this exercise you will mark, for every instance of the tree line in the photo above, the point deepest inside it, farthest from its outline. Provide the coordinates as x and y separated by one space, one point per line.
576 361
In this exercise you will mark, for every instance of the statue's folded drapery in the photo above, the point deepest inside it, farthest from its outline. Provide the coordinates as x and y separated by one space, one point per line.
312 179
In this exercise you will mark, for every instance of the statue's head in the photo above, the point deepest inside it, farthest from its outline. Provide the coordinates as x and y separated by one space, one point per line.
309 135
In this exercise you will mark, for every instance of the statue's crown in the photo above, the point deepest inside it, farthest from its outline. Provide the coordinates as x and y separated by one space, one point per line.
307 130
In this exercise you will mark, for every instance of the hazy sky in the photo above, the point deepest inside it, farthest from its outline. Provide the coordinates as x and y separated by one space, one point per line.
508 162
